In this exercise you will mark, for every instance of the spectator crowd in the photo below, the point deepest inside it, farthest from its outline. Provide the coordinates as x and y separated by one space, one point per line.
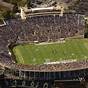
41 29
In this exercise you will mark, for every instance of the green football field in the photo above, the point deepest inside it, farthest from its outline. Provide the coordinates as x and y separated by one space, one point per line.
40 53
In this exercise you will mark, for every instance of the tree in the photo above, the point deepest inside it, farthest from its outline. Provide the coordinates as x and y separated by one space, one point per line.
17 2
5 13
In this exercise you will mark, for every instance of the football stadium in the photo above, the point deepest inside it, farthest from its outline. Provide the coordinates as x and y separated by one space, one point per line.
45 46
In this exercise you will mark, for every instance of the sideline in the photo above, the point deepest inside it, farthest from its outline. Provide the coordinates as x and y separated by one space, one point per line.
45 43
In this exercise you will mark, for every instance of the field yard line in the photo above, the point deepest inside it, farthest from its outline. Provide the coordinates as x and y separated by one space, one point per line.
86 45
21 58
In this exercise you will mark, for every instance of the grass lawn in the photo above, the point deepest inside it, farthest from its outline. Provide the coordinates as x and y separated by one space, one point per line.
38 54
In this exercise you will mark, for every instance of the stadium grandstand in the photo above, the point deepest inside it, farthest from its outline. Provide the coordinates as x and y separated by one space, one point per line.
44 48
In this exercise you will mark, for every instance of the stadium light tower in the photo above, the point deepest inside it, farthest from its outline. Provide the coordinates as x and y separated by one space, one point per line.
22 14
62 7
